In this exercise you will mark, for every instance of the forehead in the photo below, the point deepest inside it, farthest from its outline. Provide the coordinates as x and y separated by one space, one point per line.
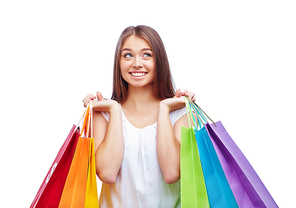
134 42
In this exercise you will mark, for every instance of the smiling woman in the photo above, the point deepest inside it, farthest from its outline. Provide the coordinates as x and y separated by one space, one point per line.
137 63
137 133
152 46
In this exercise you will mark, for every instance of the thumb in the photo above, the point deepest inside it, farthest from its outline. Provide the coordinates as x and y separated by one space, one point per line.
178 93
100 96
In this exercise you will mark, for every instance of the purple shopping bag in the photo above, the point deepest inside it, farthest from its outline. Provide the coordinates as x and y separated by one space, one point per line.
245 184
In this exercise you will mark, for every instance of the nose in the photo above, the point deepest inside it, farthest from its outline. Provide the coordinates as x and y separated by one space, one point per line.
137 64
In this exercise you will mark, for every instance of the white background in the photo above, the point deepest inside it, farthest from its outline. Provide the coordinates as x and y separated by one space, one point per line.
237 56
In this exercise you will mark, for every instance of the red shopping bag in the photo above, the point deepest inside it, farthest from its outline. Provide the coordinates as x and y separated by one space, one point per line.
51 189
75 187
71 180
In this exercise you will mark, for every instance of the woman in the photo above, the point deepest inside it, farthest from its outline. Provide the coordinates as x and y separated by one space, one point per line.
138 132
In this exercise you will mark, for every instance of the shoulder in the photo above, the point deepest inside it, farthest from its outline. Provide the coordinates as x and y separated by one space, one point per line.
177 114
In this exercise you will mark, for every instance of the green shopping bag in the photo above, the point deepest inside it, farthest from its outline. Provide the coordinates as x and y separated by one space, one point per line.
193 189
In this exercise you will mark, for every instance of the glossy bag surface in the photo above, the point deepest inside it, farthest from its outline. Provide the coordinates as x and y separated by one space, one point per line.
91 196
193 189
51 189
75 187
246 185
71 180
218 189
80 189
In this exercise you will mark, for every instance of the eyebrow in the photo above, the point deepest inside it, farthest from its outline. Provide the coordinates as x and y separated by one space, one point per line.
144 49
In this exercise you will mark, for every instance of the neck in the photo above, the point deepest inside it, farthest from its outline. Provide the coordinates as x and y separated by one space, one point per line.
140 97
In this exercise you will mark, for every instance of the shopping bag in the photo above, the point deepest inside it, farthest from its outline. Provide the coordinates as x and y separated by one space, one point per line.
246 185
248 189
51 189
91 197
75 193
193 189
218 189
71 180
75 186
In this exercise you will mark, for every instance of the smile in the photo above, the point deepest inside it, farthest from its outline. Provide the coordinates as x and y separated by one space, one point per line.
138 74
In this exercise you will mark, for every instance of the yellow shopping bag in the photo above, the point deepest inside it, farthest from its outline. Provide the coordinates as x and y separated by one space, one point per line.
91 197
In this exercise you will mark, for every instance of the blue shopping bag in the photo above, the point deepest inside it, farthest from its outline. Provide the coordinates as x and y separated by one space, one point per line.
218 189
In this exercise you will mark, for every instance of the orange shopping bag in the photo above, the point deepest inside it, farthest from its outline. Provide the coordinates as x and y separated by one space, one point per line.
80 189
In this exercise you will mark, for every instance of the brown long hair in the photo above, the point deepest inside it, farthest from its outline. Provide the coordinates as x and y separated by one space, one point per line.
163 84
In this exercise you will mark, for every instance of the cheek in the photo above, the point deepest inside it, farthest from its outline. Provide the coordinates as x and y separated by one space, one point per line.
151 66
123 67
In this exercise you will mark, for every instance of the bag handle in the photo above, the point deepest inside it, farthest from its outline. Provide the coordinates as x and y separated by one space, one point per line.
192 107
87 125
187 110
204 115
190 112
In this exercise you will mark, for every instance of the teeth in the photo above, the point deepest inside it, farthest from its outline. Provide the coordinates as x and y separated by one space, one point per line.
138 74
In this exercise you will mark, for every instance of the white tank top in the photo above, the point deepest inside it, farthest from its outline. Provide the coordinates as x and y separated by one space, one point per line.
140 182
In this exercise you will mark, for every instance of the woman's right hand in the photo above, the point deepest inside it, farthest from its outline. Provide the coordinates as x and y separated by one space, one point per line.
101 104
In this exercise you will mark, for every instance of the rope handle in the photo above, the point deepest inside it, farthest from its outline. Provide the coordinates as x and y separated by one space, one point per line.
193 108
87 125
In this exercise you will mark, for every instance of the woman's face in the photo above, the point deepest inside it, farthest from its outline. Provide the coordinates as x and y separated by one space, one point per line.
137 62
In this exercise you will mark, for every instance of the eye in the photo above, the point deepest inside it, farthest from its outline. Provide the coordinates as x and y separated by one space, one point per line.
127 55
146 55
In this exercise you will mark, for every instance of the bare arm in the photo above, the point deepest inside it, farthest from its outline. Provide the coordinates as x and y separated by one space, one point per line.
108 139
169 138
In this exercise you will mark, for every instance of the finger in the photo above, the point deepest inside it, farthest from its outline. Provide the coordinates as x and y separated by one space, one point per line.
85 102
189 94
89 96
100 96
185 93
87 99
178 93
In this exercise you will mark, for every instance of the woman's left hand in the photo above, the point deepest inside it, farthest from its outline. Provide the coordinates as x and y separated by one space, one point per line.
178 101
186 93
